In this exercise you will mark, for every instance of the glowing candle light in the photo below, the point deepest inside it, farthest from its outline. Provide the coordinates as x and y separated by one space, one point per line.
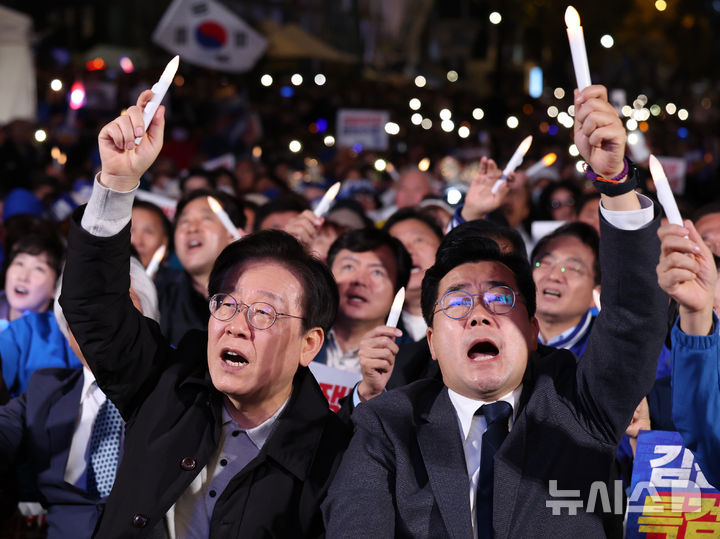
327 199
546 161
515 162
390 168
664 193
154 264
396 308
224 218
577 48
159 89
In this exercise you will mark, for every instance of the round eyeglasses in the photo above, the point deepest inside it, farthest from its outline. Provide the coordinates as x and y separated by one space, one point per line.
259 314
458 304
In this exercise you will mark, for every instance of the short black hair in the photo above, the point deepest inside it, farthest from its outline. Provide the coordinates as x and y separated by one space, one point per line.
320 297
405 214
362 240
200 172
459 248
229 203
155 209
583 232
282 203
38 242
508 239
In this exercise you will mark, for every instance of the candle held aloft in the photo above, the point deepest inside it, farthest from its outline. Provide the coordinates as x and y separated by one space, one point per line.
327 199
515 162
664 193
159 89
396 308
224 218
577 48
546 161
154 264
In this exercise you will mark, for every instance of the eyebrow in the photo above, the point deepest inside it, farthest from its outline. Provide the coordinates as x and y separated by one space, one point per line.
465 286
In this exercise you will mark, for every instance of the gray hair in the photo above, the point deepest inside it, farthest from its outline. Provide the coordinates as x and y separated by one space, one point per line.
139 282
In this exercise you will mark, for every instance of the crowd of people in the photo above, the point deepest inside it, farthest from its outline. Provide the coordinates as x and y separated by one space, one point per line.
537 339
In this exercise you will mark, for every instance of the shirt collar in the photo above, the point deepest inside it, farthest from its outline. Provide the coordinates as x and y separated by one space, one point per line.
89 384
466 407
571 336
258 435
335 357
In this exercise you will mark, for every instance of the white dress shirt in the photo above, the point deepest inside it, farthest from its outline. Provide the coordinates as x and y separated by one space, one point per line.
472 428
91 398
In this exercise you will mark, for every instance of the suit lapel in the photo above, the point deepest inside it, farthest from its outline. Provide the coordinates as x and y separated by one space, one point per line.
62 416
442 452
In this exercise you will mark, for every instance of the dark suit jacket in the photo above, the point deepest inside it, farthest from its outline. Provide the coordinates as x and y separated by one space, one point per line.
174 413
405 465
37 427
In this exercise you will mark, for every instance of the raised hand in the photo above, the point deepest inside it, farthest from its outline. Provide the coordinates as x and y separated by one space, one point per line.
479 200
124 162
377 357
599 133
686 271
304 227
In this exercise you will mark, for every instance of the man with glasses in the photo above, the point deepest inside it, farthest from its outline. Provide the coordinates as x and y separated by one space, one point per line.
229 435
435 459
566 271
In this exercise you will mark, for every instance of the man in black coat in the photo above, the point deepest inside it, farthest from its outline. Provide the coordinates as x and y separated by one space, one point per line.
229 435
418 460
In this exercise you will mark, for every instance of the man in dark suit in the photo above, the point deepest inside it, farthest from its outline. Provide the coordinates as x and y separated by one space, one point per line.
50 427
229 435
434 460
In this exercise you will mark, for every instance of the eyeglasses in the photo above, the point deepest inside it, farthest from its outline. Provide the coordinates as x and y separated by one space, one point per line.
570 267
458 304
555 204
259 314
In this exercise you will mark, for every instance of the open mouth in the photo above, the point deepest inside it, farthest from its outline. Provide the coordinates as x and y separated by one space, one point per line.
551 292
352 298
483 350
233 358
193 244
21 291
415 269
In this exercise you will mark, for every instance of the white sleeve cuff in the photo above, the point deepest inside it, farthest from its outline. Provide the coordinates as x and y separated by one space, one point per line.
631 219
356 396
108 211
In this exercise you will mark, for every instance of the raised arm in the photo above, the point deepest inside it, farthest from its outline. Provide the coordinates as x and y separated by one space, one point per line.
687 272
125 350
618 367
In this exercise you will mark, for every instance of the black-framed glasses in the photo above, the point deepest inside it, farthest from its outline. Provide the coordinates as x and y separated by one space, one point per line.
259 314
458 304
